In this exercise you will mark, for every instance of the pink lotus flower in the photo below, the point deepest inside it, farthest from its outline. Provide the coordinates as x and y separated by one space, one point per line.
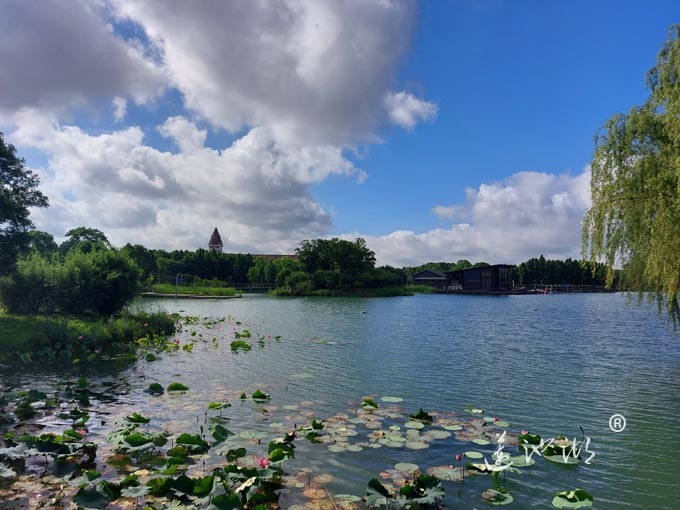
495 418
80 337
146 324
82 432
458 457
263 462
96 351
524 431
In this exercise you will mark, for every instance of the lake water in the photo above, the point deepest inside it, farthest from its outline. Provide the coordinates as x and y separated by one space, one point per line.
551 364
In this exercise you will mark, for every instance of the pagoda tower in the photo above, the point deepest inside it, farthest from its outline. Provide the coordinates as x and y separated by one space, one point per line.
215 243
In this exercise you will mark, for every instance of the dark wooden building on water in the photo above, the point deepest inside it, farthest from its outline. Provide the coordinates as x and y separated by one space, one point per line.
487 279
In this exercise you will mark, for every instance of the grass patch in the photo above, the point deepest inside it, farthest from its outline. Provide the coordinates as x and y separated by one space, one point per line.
61 336
421 289
168 288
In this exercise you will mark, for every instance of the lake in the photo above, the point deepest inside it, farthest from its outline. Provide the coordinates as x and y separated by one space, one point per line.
550 364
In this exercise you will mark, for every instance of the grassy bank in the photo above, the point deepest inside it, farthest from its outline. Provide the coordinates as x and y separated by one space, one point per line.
421 289
59 336
378 292
168 288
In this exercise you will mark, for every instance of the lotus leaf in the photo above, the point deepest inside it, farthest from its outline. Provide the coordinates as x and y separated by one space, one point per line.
576 498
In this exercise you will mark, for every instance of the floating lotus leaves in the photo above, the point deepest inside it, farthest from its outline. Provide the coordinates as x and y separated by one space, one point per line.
406 467
323 479
259 395
369 403
497 497
218 405
561 459
473 455
421 416
391 400
416 445
432 435
577 498
176 386
452 427
155 389
480 441
447 473
137 418
414 425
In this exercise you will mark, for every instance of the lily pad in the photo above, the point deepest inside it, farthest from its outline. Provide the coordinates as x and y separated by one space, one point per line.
452 427
416 445
497 497
414 425
561 459
437 434
473 455
447 473
406 467
577 498
392 400
481 442
323 479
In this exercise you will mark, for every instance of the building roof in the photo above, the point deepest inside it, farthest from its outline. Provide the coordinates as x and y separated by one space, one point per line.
493 266
429 273
215 239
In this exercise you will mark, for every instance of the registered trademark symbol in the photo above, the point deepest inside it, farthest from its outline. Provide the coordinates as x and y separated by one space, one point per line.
617 423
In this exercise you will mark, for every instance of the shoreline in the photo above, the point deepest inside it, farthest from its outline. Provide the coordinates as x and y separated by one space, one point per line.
185 296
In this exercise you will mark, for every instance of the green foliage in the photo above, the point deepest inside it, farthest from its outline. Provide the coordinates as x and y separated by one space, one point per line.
240 345
348 259
67 336
101 282
540 271
421 416
42 243
176 386
18 192
169 288
84 239
634 220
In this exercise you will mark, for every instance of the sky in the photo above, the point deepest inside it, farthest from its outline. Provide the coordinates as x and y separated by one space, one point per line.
437 130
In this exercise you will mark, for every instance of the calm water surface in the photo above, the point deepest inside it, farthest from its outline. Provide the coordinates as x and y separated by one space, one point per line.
550 364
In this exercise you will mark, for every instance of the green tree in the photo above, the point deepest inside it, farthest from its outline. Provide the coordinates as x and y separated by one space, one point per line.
18 192
84 239
634 220
349 259
42 242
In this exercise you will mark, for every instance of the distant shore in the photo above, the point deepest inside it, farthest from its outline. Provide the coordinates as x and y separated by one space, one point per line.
186 296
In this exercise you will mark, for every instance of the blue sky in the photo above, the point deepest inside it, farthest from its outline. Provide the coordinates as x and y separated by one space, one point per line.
520 86
436 130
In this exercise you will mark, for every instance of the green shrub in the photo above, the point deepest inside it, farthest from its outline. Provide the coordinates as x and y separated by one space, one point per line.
101 282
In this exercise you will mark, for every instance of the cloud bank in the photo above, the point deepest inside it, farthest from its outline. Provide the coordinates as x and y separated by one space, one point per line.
528 214
299 84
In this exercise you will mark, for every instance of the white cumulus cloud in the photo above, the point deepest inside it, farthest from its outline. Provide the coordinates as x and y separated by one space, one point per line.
312 71
56 54
256 190
407 110
526 215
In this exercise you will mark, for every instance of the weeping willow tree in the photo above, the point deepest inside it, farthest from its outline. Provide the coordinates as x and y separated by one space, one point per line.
634 221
